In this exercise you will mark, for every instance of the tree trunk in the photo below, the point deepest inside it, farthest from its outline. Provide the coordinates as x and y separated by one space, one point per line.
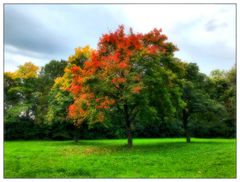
76 135
185 125
128 124
129 133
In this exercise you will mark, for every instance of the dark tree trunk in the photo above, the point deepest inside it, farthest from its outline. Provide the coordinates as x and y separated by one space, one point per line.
76 135
185 125
128 124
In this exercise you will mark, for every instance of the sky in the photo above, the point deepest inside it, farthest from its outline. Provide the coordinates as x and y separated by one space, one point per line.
205 34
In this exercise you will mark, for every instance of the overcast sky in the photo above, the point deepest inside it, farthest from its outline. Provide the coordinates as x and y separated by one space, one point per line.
204 34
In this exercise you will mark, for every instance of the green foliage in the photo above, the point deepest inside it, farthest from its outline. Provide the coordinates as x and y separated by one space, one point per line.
26 102
47 75
202 115
20 93
222 88
50 72
59 101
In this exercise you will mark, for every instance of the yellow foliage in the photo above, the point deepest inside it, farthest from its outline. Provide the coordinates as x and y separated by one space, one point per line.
11 75
62 82
80 52
27 70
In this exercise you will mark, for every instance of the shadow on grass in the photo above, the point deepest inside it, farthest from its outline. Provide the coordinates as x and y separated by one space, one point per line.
115 146
103 147
124 143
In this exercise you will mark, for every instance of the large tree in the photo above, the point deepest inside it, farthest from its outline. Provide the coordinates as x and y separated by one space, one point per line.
128 74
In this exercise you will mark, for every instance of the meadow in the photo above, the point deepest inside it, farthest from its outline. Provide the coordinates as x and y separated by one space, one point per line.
149 158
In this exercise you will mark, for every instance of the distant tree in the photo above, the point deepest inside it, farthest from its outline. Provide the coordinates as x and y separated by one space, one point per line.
223 89
198 102
51 71
26 71
46 78
20 90
10 98
230 100
20 94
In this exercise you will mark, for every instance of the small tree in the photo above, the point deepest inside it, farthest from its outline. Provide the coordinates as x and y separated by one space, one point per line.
59 96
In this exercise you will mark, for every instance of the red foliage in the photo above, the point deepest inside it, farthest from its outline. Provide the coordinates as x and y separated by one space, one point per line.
105 103
153 49
72 110
136 90
75 89
95 60
118 80
115 56
122 65
75 69
97 99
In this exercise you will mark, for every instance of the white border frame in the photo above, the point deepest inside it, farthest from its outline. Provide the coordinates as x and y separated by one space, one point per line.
113 2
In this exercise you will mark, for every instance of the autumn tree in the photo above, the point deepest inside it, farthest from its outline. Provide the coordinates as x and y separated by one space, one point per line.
59 98
121 76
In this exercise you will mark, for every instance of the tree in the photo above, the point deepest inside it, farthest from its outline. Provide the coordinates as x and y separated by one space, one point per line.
20 94
59 98
222 88
122 76
51 71
198 102
46 78
26 71
21 87
230 100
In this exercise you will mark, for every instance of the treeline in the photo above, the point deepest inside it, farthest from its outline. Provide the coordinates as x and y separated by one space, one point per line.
28 101
130 86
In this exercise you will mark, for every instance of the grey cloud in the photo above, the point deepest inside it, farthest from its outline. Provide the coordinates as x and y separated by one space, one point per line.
209 57
41 33
218 50
29 53
213 25
55 29
25 32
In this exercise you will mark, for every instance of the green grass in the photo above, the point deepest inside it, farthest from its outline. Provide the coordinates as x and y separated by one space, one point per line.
149 158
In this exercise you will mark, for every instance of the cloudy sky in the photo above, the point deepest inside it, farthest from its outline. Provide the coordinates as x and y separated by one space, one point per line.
205 34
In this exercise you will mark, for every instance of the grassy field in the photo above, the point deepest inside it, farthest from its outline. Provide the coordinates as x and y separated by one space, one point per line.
149 158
